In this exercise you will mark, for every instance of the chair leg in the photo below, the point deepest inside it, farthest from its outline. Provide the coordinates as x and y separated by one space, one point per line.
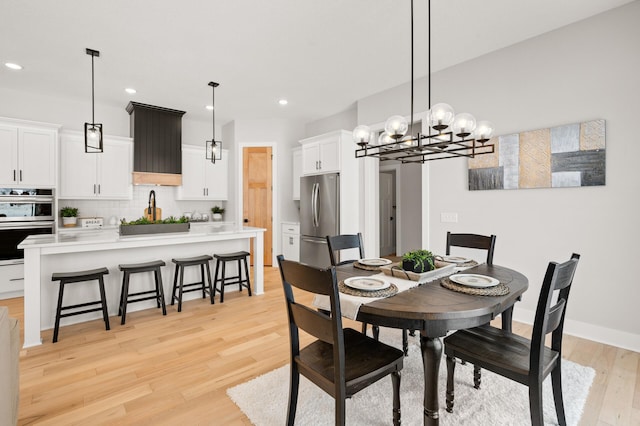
395 379
246 273
405 342
340 402
556 382
364 328
56 328
535 404
451 368
103 300
477 376
293 394
376 332
507 319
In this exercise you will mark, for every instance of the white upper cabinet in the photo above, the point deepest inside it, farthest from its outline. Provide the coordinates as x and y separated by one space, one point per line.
28 153
324 154
296 172
105 175
202 179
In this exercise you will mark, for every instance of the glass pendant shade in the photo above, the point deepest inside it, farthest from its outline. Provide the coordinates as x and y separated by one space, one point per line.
384 138
484 131
362 135
440 116
396 126
463 124
214 150
93 138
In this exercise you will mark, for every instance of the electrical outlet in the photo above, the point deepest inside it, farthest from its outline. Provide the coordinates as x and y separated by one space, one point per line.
449 217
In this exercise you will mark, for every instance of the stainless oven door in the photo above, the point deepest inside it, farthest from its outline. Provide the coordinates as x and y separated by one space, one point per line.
13 233
26 209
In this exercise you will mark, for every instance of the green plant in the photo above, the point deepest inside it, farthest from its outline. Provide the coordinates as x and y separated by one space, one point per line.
69 212
217 209
145 221
422 259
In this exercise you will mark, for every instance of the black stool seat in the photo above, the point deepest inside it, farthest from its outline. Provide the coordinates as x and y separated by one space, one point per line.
156 294
239 256
180 287
76 277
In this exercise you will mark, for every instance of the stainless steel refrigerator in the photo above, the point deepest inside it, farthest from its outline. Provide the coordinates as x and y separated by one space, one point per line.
319 217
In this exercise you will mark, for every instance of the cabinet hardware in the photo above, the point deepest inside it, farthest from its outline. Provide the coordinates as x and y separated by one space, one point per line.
291 240
20 175
14 174
98 188
94 188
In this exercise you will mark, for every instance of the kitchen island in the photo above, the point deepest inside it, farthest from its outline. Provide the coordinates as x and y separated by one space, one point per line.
45 254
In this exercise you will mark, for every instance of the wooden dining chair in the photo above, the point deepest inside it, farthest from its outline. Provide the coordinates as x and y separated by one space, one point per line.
474 241
337 243
526 361
341 361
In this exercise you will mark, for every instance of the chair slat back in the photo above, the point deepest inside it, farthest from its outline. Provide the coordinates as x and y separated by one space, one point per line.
337 243
474 241
550 319
327 328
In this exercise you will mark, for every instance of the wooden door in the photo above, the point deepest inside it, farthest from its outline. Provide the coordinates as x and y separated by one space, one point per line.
387 214
257 194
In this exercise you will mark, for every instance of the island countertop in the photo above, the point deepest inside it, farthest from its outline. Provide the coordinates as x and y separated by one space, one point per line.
65 252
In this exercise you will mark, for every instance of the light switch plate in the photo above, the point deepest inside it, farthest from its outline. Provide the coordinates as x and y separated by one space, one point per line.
449 217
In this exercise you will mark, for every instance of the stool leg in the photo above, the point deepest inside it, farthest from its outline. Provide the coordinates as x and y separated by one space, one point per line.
160 291
125 293
121 297
215 281
246 272
222 280
56 328
175 285
103 300
180 290
239 276
212 288
204 291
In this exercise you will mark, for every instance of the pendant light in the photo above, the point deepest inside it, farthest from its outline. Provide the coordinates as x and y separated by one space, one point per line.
93 131
213 147
448 135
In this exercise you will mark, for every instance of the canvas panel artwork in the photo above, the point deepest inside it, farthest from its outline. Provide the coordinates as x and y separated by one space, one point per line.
564 156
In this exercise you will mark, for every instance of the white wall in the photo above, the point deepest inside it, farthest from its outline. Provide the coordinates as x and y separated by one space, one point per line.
581 72
347 120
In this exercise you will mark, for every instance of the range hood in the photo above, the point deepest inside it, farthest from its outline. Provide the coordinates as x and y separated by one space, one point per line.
157 144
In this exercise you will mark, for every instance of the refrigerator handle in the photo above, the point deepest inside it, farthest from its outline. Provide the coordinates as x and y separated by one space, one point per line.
316 208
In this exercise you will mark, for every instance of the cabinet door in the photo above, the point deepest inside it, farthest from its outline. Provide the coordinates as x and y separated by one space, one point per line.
9 157
310 159
114 172
77 168
329 155
36 157
217 177
193 176
296 172
291 246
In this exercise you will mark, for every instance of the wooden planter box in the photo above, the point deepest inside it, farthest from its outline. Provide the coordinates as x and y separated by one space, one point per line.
159 228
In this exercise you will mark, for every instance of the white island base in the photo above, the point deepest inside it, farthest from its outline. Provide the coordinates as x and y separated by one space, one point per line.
46 254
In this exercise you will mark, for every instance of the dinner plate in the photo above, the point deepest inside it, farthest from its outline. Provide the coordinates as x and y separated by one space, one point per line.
474 280
374 262
455 259
366 283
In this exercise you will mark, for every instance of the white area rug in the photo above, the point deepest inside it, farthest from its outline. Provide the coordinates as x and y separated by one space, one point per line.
499 401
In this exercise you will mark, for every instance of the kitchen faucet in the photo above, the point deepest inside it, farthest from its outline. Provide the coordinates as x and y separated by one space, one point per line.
152 195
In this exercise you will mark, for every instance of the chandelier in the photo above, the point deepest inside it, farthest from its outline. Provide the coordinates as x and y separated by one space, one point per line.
213 148
449 135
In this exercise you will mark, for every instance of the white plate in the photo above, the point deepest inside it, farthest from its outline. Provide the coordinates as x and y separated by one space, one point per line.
455 259
366 283
474 280
374 262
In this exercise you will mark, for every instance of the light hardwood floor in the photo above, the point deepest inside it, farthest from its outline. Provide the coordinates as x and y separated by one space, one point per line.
176 369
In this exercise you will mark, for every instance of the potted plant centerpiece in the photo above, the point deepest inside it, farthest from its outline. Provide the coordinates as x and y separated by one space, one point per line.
69 216
216 213
418 261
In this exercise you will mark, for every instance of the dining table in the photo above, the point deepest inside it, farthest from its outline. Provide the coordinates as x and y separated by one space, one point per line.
434 310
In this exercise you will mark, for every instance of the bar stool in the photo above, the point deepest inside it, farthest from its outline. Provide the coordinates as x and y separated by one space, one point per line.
180 287
236 279
157 294
76 277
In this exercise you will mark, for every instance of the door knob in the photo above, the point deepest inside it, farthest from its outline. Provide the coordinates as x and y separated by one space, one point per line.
246 220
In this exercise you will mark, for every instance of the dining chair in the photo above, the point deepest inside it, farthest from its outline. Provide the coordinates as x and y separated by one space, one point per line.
473 241
526 361
337 243
341 361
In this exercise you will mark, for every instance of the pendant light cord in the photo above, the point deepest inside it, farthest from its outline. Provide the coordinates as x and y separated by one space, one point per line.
429 52
411 116
213 111
93 107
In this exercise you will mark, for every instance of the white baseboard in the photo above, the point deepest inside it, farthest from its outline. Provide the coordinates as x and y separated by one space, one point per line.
11 294
608 336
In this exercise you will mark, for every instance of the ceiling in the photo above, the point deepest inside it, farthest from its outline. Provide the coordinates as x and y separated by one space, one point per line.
321 55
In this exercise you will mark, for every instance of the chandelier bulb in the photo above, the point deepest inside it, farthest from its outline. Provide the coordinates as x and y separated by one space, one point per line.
463 124
362 135
484 131
440 116
396 126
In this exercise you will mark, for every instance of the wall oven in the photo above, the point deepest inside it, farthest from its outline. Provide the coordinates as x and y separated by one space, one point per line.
23 212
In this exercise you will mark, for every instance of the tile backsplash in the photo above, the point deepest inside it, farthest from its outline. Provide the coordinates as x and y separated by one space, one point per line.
134 208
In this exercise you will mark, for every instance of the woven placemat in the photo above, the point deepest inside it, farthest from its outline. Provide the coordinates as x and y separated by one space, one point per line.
389 291
499 290
359 265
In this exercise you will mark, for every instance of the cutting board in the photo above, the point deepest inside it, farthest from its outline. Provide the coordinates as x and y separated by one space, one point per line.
149 216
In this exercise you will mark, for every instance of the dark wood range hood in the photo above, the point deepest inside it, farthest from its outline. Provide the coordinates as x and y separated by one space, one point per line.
157 144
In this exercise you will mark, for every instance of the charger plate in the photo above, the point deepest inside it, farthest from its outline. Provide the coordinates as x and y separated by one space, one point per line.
498 290
389 291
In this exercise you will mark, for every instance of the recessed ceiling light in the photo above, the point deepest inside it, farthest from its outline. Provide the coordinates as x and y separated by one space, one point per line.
209 107
130 91
13 66
283 101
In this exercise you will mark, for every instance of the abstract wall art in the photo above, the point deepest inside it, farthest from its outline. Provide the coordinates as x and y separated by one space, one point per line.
558 157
